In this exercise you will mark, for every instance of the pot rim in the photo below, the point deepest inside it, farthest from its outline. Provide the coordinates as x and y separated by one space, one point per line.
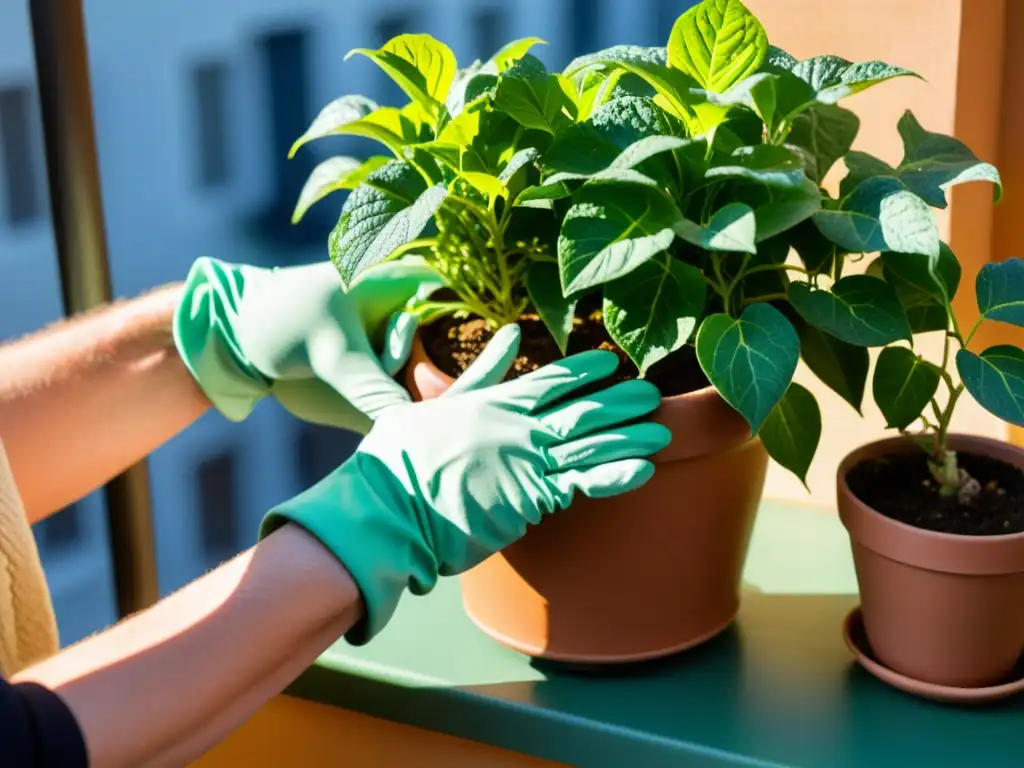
701 421
931 550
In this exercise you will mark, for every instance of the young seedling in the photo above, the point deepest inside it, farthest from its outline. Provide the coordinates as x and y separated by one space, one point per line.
906 387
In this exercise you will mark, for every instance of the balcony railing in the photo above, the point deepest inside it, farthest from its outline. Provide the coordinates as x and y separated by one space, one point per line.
62 67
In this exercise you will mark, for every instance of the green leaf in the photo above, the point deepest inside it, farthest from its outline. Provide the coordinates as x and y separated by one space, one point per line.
389 209
608 57
881 215
937 278
792 431
756 93
422 67
653 312
835 78
777 61
860 167
341 115
545 292
732 228
750 360
612 228
842 367
859 309
826 132
903 386
532 96
512 52
1000 291
777 209
763 163
932 163
586 148
675 89
331 175
490 187
718 43
995 378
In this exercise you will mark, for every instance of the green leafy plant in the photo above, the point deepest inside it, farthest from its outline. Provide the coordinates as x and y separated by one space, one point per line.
462 153
681 186
911 391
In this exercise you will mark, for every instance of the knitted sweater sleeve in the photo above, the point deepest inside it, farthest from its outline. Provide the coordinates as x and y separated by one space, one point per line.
28 630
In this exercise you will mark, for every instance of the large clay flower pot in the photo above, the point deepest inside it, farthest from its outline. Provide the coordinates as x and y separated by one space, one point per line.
635 577
938 608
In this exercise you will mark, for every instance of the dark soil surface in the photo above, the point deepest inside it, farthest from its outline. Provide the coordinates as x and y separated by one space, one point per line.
901 487
453 344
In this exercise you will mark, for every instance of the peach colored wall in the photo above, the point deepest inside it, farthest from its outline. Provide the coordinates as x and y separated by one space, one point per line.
960 55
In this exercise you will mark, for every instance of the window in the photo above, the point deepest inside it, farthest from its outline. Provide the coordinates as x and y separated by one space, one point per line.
60 530
321 450
17 157
585 25
210 81
217 485
487 31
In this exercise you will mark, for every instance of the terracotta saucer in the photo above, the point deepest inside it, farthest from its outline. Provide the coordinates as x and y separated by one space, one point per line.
857 641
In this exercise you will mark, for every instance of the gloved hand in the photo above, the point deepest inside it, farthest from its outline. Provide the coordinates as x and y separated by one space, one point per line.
245 332
437 487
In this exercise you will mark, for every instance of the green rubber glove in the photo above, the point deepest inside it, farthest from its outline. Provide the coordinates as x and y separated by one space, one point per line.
247 332
437 487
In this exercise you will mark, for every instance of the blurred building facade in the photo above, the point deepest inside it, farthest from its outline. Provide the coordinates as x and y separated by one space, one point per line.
196 103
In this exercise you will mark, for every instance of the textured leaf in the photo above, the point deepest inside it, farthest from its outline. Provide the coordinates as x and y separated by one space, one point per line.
331 175
718 43
903 386
613 131
859 309
777 61
676 90
653 311
421 66
607 57
835 78
556 311
881 215
1000 291
750 360
732 228
389 209
995 378
763 163
826 132
528 93
932 163
842 367
611 229
792 431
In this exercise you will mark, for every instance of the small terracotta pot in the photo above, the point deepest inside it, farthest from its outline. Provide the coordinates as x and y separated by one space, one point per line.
634 577
939 608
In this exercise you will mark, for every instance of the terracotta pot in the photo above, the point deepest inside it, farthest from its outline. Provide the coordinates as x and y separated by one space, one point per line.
939 608
635 577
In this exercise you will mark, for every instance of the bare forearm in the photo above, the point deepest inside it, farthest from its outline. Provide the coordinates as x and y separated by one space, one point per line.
163 686
93 396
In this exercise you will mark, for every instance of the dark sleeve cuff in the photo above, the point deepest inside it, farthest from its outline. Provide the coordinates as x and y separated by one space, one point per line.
38 729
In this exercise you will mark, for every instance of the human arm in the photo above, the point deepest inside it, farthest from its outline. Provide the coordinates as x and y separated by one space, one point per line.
82 401
179 677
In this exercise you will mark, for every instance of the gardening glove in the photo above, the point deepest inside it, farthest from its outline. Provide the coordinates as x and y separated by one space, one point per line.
246 332
436 487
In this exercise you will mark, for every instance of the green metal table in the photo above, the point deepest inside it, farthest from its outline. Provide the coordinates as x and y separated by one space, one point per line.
777 689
